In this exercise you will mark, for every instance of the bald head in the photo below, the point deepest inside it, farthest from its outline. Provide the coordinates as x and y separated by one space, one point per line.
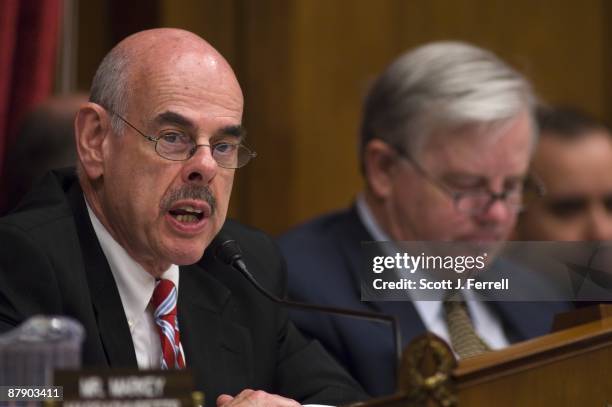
177 92
149 59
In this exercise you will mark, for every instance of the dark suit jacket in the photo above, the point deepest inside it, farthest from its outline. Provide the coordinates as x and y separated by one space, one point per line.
324 257
51 263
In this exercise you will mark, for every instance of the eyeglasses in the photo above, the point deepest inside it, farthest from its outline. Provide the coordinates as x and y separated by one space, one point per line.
478 201
175 145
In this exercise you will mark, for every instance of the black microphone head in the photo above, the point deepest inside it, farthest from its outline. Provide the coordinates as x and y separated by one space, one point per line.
226 249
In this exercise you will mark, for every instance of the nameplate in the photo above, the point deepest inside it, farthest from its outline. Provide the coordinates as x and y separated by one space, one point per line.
127 388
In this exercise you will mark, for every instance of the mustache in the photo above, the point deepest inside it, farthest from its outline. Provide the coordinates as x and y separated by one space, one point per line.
195 192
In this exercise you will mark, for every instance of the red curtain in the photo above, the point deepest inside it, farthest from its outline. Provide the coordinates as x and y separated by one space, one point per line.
29 34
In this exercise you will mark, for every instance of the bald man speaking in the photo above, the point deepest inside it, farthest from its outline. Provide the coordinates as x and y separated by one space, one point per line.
112 243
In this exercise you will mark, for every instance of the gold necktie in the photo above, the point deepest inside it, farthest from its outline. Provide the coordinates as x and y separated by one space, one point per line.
464 339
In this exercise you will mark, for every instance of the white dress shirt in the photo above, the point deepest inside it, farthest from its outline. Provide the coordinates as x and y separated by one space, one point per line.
486 324
135 289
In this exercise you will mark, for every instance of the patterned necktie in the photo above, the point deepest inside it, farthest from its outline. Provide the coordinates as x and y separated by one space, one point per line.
463 337
164 302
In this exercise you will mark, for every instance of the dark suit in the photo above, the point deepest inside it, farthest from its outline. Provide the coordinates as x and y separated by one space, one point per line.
323 260
51 263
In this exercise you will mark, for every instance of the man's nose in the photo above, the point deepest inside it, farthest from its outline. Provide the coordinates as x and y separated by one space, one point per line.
497 210
599 226
201 167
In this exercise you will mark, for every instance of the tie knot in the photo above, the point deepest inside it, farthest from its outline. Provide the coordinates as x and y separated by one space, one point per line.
452 298
462 335
164 298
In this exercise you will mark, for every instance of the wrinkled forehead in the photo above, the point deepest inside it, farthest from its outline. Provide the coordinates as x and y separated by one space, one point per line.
475 147
196 76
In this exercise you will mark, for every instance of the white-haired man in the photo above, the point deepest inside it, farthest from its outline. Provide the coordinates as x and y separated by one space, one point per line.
446 137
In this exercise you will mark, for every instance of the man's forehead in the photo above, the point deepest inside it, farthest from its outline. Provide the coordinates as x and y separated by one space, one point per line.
188 71
477 153
190 68
184 100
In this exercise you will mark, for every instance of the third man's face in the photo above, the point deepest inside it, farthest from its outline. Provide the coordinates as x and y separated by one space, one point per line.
577 175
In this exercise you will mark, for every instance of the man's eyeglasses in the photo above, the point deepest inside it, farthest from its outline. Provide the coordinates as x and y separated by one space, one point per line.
478 201
175 145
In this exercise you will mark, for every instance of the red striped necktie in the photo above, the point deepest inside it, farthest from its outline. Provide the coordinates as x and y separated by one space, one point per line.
164 303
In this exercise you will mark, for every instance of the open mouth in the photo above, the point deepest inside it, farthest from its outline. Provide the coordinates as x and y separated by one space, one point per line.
187 214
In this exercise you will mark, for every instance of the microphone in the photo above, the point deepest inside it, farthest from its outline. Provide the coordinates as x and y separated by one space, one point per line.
228 252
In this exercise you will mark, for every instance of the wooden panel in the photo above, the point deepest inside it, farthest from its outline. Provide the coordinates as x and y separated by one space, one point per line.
336 48
558 44
102 24
265 71
606 84
567 368
214 20
581 380
92 39
305 66
339 48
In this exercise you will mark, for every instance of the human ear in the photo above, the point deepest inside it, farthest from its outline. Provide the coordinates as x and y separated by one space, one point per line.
379 165
91 127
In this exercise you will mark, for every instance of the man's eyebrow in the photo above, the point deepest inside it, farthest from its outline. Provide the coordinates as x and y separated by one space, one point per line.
169 117
462 176
236 131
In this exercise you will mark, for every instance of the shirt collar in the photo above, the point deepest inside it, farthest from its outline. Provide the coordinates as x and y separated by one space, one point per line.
428 310
367 218
135 285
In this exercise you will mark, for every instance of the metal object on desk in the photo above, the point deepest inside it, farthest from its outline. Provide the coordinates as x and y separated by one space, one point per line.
427 365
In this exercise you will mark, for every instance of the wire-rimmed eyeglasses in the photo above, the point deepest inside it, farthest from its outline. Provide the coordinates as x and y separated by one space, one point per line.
478 201
175 145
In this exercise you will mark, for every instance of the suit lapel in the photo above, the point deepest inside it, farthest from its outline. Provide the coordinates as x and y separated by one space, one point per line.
524 320
409 321
209 336
110 316
517 326
355 233
217 350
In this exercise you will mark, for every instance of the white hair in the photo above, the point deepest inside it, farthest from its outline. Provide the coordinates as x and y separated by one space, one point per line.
442 85
109 87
